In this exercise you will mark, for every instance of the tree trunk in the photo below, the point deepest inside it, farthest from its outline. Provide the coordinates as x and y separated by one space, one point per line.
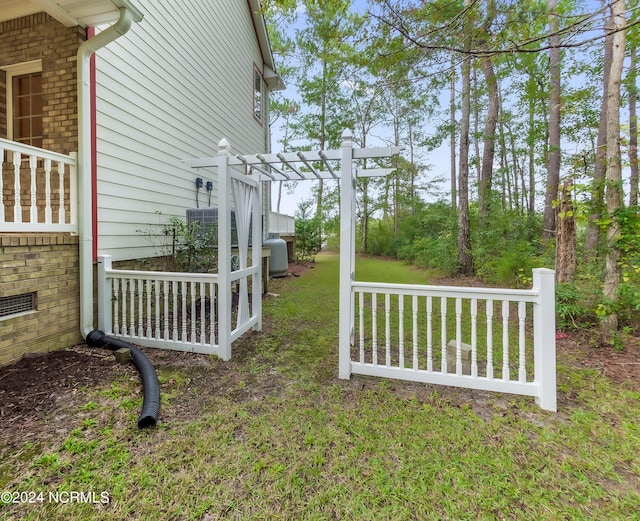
508 193
593 234
489 137
452 133
613 174
566 259
476 125
322 140
488 152
531 200
465 260
633 127
553 159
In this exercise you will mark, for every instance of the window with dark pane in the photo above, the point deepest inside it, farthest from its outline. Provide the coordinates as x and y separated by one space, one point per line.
257 95
27 108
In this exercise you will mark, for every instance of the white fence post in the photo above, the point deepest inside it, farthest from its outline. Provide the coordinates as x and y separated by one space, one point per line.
347 254
544 338
105 295
224 251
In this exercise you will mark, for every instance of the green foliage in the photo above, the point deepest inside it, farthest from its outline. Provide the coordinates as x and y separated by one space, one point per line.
185 247
576 305
629 244
426 237
503 250
307 239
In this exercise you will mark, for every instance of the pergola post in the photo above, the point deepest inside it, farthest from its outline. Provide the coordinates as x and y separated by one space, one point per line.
224 251
347 253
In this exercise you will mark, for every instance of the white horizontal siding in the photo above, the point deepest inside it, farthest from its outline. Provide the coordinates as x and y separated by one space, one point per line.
168 90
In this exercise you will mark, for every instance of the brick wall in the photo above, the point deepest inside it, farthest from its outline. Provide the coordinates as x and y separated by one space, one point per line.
41 37
48 265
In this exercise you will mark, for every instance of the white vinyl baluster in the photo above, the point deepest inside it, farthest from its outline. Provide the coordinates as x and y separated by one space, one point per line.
401 331
174 310
17 203
387 329
48 214
115 288
212 315
505 340
140 308
374 328
474 337
192 289
414 310
489 313
149 308
125 329
458 336
203 315
429 333
33 210
361 324
522 370
443 333
62 217
165 310
132 307
183 303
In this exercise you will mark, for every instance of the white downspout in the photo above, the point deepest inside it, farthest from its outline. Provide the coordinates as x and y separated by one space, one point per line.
85 213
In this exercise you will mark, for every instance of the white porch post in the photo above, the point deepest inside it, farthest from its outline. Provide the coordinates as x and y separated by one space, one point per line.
347 253
224 251
544 338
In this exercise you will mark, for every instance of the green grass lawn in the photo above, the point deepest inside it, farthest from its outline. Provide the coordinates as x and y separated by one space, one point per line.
274 434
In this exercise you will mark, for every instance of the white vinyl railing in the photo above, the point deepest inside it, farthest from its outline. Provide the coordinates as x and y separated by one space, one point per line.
38 189
159 309
480 338
281 223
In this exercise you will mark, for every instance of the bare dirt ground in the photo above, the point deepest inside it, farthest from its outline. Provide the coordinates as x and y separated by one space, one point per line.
36 391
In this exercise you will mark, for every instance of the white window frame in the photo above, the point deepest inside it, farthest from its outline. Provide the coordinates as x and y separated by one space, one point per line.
17 69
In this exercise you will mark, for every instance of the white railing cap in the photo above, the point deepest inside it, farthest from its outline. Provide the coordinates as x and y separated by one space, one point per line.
14 146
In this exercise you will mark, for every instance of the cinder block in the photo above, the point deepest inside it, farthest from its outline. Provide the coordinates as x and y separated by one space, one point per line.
123 355
464 348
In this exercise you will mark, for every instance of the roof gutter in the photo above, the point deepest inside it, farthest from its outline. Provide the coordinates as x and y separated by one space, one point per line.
128 14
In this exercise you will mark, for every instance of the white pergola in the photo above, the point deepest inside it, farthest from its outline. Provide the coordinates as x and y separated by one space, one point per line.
239 179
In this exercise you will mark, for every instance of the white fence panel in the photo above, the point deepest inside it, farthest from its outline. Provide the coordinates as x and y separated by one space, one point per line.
159 309
479 338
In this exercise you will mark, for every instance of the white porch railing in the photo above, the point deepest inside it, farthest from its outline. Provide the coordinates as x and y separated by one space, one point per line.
38 189
159 309
281 223
479 338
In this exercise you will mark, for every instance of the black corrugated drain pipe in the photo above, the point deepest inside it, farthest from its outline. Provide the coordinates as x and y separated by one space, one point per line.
150 385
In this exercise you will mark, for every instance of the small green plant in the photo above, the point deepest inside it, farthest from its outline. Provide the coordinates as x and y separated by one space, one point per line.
184 246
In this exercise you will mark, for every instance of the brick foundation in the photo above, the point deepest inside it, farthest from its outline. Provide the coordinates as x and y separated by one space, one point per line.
48 265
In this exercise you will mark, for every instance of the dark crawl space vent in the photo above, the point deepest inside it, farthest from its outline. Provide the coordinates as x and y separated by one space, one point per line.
17 304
